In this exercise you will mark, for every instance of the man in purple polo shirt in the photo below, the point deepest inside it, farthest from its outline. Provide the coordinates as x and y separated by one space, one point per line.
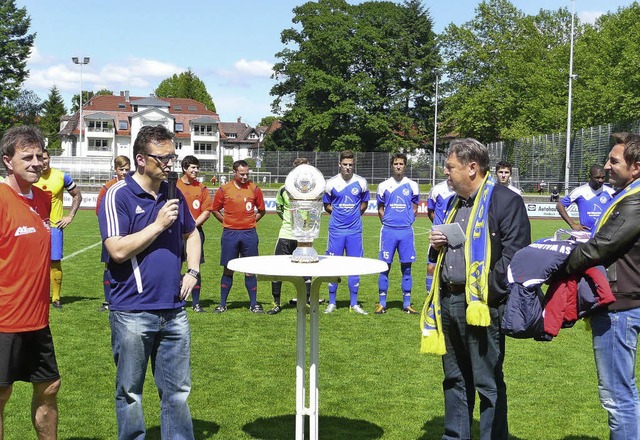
144 233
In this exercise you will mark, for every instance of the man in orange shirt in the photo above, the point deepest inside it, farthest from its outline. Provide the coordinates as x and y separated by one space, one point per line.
238 205
200 205
26 347
122 166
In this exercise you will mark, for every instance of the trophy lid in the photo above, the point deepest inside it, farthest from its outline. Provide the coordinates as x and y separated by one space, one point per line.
305 182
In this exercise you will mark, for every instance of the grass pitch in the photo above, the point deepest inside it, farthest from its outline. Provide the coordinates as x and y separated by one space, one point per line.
374 383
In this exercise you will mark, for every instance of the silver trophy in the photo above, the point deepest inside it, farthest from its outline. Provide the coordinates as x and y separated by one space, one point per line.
305 185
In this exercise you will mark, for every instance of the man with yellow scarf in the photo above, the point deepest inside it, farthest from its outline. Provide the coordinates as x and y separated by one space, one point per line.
461 316
615 244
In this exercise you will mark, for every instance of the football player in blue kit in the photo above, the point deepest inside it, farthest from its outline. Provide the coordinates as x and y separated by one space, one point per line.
346 198
397 199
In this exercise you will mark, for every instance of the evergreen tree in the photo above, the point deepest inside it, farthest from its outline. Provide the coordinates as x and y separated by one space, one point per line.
15 45
53 110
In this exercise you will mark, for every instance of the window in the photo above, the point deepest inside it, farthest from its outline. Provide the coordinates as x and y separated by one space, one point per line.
99 145
202 130
232 135
177 108
121 105
191 108
253 136
100 126
178 145
123 125
203 148
179 126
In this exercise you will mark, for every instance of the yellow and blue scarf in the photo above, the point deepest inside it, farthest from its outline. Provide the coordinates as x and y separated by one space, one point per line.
632 188
477 251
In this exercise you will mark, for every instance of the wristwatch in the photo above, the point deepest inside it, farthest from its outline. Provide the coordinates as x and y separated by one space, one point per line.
194 273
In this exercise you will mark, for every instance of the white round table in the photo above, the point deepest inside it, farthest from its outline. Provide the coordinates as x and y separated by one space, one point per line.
328 269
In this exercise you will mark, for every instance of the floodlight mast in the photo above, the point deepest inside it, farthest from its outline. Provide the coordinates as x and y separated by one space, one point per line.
571 78
85 60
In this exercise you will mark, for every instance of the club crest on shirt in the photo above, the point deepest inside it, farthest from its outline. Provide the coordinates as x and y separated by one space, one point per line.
354 191
405 192
603 199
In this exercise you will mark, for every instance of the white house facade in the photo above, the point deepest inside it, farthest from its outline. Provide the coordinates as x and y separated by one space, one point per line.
112 122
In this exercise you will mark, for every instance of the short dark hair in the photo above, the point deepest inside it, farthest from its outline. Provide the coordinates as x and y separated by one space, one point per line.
503 164
188 161
347 154
239 163
595 168
300 161
470 150
20 136
399 156
631 142
150 135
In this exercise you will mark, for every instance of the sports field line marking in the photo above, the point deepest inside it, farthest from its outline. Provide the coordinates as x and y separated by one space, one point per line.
82 250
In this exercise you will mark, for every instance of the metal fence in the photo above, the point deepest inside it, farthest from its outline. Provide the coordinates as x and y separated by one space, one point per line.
541 159
538 161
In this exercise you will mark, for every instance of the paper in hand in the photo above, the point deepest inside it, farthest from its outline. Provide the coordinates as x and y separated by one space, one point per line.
453 232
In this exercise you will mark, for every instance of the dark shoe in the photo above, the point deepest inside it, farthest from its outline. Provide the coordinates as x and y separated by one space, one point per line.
256 309
198 309
220 309
104 307
410 311
275 310
56 304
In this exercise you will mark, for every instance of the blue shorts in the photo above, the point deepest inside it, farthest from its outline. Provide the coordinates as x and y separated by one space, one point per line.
238 243
56 244
337 244
397 239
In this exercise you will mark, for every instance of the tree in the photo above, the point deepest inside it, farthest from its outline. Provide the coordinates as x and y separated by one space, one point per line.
606 59
86 96
355 76
53 110
185 85
506 72
15 45
26 108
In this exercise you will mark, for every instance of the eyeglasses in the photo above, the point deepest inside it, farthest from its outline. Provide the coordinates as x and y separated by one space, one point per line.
164 160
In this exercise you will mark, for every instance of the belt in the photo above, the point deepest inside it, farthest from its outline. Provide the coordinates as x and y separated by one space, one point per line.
454 288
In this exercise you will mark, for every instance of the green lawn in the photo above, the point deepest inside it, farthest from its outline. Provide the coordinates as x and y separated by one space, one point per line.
374 383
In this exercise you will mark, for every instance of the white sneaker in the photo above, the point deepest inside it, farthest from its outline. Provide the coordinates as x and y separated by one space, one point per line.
358 309
330 308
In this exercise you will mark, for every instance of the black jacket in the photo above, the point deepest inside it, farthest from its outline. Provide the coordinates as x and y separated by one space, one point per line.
616 246
510 231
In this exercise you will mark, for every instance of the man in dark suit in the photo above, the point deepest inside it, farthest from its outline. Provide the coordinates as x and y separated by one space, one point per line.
475 353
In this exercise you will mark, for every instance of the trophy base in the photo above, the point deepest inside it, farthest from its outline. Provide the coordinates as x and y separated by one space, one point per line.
304 253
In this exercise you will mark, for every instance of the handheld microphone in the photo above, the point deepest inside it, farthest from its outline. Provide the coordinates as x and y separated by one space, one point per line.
172 181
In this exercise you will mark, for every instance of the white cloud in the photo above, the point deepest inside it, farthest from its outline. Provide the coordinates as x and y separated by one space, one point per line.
261 69
589 16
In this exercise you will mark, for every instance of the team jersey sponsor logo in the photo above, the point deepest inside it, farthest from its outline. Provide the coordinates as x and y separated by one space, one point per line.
398 205
348 204
25 230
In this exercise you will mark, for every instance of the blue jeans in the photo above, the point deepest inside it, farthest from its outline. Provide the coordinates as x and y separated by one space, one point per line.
473 362
615 338
165 337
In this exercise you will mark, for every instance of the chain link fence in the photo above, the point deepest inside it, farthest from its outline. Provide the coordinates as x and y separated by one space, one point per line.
538 161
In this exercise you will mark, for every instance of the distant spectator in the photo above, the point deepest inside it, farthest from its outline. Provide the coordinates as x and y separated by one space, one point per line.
504 171
554 195
214 180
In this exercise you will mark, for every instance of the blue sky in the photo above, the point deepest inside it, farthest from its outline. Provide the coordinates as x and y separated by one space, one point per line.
230 45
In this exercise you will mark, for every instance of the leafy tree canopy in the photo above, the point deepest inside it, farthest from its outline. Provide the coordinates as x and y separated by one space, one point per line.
356 76
185 85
